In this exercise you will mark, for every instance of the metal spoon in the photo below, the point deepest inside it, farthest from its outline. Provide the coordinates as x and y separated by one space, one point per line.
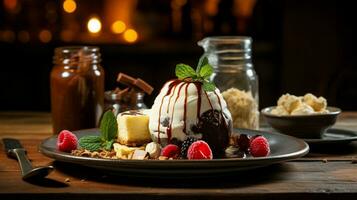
14 149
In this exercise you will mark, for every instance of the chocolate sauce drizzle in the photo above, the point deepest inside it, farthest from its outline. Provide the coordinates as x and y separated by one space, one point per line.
199 88
169 129
209 101
173 84
171 91
185 109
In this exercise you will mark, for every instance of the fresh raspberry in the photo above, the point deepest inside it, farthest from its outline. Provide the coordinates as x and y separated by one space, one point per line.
259 147
199 150
66 141
171 151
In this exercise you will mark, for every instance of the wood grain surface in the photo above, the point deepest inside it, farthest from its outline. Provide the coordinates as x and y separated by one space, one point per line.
330 173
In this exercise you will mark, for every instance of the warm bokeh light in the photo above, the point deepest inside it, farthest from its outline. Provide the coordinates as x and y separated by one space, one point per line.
118 27
130 35
94 25
10 4
45 36
7 36
69 6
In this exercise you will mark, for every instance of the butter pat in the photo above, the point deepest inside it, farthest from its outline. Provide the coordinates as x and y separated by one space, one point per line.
133 128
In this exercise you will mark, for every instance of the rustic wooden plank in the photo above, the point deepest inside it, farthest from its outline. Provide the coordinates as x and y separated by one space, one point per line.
25 124
308 177
289 179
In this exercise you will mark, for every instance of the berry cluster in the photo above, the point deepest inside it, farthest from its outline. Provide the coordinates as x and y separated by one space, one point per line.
257 146
191 149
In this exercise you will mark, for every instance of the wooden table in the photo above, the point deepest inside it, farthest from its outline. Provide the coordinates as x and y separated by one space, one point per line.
321 175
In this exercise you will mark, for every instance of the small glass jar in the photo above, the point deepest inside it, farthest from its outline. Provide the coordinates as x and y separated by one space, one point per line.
235 76
133 100
77 88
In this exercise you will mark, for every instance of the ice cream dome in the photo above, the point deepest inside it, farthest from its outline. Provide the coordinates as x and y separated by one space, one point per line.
191 106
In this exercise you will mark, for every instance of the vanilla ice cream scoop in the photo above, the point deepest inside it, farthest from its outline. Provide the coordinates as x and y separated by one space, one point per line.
184 109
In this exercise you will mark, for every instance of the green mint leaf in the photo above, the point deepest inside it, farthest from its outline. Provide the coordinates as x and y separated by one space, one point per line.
108 126
90 142
202 62
206 71
108 145
209 86
184 71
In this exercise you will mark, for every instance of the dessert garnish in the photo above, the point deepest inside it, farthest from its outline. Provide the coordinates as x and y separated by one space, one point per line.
202 74
154 149
199 150
140 155
108 133
242 145
135 83
171 151
185 145
259 147
66 141
243 142
124 151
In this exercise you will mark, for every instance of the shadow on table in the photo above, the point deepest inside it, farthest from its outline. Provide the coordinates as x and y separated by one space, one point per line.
231 180
47 182
332 149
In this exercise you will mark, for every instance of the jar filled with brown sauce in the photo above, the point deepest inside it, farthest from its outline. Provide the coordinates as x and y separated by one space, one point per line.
77 88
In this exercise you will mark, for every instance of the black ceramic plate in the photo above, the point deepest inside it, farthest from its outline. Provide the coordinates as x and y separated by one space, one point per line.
283 148
334 136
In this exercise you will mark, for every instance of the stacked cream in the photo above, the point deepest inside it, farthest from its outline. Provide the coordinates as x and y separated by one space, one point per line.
177 108
300 105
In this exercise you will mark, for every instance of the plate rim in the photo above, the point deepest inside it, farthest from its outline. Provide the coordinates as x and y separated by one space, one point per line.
284 157
337 140
332 112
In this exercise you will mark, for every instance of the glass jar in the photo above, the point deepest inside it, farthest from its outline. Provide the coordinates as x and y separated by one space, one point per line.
119 102
77 88
235 76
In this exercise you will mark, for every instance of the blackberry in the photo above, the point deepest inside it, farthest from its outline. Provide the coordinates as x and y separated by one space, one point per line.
185 145
243 142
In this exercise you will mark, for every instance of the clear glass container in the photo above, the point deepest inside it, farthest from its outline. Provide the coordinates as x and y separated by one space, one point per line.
77 88
134 100
235 76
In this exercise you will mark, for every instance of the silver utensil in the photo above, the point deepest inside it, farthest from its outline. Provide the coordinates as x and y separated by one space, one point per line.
14 149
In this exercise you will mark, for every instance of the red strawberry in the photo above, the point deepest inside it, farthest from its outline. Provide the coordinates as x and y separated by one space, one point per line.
259 147
66 141
199 150
171 151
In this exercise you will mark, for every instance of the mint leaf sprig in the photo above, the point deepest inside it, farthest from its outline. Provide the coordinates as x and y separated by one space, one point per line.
108 132
203 71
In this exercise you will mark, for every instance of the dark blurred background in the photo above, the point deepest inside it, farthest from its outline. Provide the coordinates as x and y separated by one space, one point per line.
299 46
